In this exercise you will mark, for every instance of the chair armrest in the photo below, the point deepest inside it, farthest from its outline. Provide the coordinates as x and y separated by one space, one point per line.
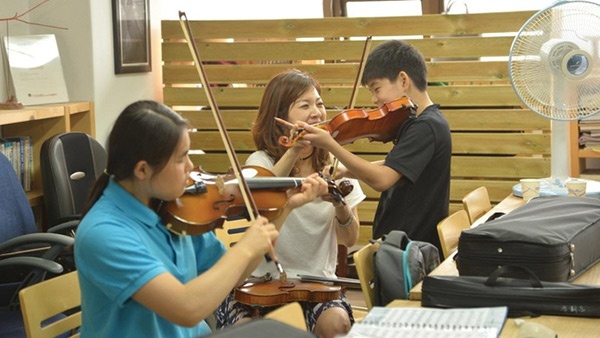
43 244
36 238
66 228
34 262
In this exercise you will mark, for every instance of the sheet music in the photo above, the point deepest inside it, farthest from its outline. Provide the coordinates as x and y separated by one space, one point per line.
430 322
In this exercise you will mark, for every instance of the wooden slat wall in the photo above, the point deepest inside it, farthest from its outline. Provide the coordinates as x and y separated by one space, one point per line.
496 140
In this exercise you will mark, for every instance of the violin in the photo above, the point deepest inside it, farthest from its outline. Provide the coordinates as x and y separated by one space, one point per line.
209 200
274 292
349 125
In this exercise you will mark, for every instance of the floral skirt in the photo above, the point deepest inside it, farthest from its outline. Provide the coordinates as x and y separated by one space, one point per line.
230 311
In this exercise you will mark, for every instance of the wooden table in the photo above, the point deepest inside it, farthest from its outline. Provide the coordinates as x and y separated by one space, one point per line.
565 327
562 325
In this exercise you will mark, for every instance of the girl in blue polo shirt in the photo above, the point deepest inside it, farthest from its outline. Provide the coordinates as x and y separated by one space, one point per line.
137 278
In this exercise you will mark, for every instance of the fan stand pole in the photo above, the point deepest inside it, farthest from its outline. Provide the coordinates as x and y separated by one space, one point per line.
560 154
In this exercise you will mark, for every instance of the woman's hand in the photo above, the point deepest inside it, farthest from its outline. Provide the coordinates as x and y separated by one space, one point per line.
336 200
312 187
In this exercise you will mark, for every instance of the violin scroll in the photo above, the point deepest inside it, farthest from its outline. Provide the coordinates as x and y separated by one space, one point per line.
289 141
345 187
338 192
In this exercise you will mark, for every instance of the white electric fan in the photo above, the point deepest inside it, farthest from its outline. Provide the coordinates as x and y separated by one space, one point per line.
554 67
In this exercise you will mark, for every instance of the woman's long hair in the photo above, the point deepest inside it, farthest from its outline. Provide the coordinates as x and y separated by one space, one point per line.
279 95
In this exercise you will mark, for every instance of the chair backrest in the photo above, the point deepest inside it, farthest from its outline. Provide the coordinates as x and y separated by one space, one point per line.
58 297
16 216
231 232
70 164
363 261
449 230
477 203
290 314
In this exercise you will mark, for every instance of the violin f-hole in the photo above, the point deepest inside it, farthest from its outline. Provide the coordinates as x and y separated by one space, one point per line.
287 286
225 202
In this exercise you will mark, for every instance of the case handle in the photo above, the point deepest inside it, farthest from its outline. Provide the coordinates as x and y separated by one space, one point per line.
533 278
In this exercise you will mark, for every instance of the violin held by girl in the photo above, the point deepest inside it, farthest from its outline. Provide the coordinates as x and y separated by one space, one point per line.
210 199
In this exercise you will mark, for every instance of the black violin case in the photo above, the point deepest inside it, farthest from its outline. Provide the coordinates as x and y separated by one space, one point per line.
523 297
556 237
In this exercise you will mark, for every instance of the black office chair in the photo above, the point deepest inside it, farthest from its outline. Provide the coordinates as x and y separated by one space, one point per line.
70 164
27 256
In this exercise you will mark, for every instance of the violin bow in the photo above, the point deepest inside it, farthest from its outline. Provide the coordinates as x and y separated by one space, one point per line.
361 68
235 164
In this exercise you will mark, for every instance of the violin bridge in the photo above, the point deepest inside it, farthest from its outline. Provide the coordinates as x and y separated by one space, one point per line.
282 274
220 184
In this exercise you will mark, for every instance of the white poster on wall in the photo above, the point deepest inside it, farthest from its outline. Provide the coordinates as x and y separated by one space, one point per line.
35 69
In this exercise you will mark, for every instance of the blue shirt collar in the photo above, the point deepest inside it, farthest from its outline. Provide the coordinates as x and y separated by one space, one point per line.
134 207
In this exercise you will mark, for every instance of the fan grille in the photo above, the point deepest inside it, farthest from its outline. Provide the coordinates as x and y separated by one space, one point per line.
552 61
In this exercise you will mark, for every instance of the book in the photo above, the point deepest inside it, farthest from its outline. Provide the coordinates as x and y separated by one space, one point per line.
35 69
19 152
28 160
11 151
415 322
594 118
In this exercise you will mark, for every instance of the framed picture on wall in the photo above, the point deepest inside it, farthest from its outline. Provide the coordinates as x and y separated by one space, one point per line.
131 30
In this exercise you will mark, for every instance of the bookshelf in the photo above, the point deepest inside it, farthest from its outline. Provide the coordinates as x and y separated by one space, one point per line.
579 155
42 122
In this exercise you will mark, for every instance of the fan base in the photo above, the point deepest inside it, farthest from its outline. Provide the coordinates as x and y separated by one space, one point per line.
548 187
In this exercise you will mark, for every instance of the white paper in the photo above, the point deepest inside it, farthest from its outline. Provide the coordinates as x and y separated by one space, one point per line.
382 322
36 69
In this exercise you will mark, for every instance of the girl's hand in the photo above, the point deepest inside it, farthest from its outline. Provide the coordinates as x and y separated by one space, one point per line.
260 238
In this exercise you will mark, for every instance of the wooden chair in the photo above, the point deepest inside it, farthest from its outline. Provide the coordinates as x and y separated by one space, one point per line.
477 203
290 314
231 232
53 297
363 261
449 230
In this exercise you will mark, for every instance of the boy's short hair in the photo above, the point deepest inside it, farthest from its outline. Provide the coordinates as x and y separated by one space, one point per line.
388 59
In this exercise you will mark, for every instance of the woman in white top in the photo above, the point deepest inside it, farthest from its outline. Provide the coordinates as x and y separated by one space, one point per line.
310 234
